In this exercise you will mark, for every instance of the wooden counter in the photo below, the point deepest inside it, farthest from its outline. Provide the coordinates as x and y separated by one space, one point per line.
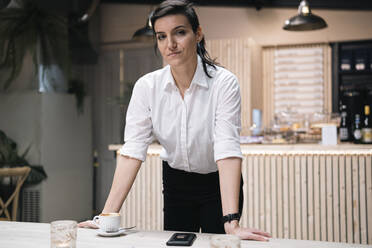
310 192
346 148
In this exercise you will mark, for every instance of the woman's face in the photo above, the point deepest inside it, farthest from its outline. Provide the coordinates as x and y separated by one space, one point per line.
176 40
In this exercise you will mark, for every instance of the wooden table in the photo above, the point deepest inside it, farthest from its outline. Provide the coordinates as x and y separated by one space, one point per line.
23 234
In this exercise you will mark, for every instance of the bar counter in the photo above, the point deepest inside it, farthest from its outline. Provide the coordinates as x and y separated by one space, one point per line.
248 149
301 191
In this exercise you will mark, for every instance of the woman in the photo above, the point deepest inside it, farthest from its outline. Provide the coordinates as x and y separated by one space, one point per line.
192 107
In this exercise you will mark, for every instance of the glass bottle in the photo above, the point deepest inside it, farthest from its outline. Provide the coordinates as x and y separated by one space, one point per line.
367 126
357 129
344 129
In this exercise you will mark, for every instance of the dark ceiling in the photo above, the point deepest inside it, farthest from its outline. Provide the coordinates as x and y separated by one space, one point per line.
317 4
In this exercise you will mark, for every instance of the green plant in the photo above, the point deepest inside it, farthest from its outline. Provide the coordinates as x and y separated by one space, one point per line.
9 157
31 29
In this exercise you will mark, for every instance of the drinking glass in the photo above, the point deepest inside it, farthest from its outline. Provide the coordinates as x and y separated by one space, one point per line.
63 234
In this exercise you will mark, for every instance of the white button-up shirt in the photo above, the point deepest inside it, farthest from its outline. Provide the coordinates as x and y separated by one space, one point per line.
195 131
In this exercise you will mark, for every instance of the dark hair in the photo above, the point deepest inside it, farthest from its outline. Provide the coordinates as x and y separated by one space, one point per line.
183 7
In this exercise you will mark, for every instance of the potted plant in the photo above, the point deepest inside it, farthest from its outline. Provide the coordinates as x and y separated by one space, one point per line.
9 158
26 28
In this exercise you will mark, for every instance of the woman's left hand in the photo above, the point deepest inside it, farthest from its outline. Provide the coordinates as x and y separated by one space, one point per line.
246 233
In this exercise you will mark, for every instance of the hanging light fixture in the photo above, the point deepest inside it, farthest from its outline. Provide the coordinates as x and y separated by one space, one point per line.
146 33
305 20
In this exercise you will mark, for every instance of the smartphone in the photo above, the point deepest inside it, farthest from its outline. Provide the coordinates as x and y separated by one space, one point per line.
181 239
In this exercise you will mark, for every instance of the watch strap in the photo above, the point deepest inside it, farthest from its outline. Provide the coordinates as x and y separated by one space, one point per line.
230 217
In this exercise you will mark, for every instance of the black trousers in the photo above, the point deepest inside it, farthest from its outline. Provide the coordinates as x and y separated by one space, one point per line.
192 201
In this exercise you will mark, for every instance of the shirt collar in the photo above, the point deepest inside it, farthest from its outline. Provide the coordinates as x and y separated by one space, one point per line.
200 78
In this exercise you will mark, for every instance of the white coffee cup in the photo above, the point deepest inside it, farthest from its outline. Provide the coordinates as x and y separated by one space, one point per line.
108 222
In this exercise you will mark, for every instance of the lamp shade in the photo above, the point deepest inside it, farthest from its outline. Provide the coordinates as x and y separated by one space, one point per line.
143 32
146 33
305 20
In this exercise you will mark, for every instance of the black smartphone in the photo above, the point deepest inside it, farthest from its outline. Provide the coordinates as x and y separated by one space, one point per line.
181 239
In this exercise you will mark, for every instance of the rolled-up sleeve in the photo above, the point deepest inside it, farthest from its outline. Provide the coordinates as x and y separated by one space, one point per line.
227 120
138 128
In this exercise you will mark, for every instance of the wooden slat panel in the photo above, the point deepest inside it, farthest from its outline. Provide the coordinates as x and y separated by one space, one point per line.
369 197
327 67
297 199
142 198
323 198
146 190
261 192
251 191
160 200
355 183
304 203
243 219
279 174
274 199
267 198
292 210
234 55
286 208
343 208
148 198
268 81
336 198
317 198
349 201
310 197
154 194
329 203
362 200
256 192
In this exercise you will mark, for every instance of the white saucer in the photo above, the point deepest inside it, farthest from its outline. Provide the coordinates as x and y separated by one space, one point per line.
110 234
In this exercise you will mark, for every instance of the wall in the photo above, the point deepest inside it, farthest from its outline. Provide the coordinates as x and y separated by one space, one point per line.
107 81
120 21
61 142
66 152
20 121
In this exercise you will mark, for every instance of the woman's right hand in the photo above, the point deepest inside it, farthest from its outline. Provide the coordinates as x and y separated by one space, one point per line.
126 168
88 224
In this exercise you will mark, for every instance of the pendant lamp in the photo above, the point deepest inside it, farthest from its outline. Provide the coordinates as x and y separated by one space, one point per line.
146 33
305 20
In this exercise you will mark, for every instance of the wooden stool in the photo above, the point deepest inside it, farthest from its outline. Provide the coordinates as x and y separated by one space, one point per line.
21 174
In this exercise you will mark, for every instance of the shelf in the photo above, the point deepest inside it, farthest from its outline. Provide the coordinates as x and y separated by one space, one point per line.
365 72
353 52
